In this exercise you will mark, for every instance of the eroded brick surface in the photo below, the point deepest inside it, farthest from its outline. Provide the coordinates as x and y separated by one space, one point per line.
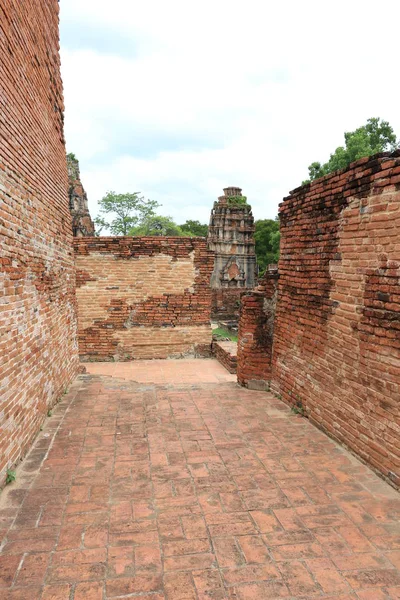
337 329
38 338
335 349
256 330
143 297
203 491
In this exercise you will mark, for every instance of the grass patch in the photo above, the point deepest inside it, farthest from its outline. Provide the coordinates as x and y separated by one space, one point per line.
221 334
11 476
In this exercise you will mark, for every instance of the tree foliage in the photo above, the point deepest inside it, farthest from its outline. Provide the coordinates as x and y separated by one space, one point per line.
119 213
194 229
156 225
373 137
267 238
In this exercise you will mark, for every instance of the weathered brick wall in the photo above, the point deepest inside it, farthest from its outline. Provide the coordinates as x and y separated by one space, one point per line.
143 297
256 328
38 338
337 329
226 303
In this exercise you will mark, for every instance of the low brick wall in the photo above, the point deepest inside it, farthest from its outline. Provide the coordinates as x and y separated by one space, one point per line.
256 326
143 297
226 354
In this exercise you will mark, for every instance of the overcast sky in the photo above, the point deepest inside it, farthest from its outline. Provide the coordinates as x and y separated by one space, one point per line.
180 98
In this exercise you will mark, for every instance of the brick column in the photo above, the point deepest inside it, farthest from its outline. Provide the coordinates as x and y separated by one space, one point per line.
256 325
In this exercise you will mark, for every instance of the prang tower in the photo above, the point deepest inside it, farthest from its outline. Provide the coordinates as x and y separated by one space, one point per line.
231 237
82 224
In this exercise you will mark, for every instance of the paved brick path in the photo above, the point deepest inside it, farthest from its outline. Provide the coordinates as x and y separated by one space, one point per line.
193 491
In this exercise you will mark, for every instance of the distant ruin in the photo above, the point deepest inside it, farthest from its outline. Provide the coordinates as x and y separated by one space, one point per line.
82 224
231 238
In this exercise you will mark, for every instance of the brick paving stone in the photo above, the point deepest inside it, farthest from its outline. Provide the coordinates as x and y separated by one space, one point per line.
298 579
56 592
8 568
326 575
89 591
209 585
192 489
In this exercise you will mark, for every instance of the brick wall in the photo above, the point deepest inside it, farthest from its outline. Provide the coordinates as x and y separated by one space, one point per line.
256 328
38 344
143 297
225 304
337 329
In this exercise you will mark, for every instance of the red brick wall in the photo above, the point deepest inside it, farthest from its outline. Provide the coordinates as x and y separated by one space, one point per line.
256 325
38 345
143 297
337 329
226 303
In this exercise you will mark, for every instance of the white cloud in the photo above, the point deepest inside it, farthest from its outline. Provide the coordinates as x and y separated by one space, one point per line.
220 93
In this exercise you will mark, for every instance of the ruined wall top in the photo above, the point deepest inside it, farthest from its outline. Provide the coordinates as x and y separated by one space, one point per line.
233 199
73 167
82 224
232 191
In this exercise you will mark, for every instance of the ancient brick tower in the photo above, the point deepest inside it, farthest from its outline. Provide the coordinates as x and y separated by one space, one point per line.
231 237
82 224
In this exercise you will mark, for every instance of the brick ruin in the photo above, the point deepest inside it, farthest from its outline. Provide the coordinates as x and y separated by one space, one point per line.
256 330
38 335
143 297
324 333
231 238
335 351
82 224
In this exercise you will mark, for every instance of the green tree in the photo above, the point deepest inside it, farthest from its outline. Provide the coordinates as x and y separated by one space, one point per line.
275 241
154 225
120 212
267 238
194 228
373 137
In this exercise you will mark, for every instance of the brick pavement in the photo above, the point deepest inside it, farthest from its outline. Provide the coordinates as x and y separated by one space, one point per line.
192 491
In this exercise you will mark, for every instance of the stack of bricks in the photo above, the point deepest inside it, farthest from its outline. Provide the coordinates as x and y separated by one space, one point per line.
38 335
226 354
337 329
143 297
256 325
